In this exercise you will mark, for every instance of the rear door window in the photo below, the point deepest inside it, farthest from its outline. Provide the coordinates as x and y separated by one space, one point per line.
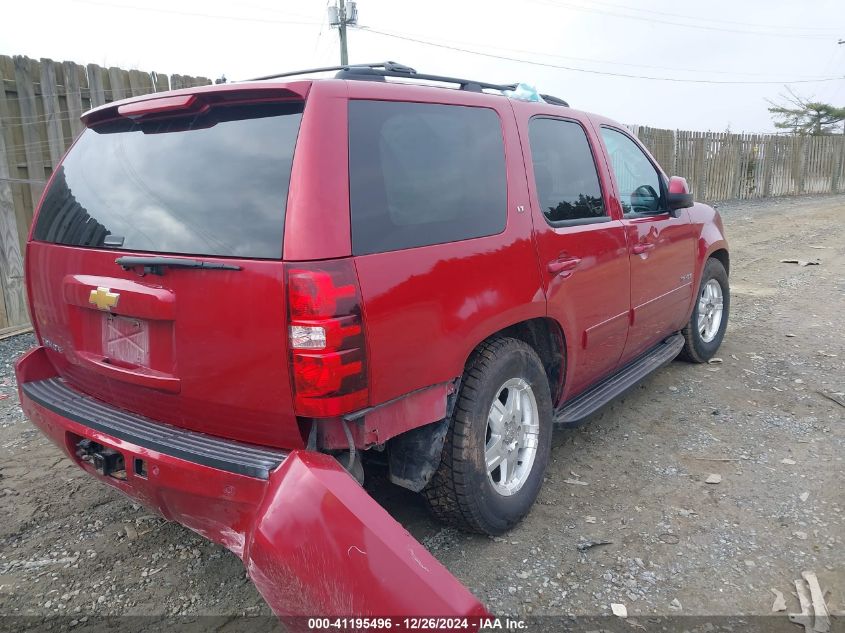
214 184
422 174
565 172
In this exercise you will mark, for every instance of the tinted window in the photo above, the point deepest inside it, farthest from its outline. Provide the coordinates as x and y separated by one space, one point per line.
424 174
564 171
216 184
636 177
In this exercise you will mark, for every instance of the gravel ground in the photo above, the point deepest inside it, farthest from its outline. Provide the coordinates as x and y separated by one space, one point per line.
678 545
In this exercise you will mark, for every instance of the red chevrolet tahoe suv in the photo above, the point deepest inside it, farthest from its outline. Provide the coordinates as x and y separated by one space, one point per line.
244 292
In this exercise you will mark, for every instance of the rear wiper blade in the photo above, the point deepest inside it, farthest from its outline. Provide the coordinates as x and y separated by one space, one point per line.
156 265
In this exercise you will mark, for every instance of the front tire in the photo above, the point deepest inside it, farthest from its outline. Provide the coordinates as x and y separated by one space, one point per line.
706 328
499 440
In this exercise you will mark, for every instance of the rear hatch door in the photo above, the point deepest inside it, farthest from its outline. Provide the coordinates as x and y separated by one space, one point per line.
155 268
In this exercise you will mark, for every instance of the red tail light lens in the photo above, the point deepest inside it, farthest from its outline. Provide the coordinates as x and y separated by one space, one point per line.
328 352
316 293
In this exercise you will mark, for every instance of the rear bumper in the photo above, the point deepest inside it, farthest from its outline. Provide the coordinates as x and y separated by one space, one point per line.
312 540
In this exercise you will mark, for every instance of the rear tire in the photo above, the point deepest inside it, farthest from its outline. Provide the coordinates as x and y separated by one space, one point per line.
499 439
705 330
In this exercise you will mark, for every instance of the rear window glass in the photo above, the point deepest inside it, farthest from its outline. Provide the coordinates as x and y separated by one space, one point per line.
423 174
214 184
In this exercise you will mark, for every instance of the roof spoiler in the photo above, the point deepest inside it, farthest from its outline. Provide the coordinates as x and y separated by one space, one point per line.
195 100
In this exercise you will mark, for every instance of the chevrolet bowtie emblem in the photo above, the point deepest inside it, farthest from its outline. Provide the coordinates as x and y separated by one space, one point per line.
103 298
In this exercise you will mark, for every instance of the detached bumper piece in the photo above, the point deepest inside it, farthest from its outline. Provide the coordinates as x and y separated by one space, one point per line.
321 545
313 541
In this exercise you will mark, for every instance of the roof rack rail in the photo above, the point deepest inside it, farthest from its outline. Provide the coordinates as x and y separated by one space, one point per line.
554 100
392 69
324 69
378 72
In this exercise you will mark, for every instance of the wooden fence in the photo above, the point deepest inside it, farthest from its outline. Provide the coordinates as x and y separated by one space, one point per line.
41 102
40 105
724 166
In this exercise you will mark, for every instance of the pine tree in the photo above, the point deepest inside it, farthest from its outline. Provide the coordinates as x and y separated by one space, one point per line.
800 115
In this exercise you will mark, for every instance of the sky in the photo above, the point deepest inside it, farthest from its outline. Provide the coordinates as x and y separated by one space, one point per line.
725 58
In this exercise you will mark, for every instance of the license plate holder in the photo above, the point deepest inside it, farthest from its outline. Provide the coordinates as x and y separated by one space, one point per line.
126 340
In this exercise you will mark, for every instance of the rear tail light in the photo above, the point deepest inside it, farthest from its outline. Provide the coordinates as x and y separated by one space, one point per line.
326 330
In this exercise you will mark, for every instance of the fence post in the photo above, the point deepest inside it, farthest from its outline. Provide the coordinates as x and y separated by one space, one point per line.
674 152
700 164
29 118
73 96
50 99
7 209
12 299
838 162
96 86
766 167
798 163
116 83
734 168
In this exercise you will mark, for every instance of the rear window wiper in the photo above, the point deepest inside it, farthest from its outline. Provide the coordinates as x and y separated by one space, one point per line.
156 265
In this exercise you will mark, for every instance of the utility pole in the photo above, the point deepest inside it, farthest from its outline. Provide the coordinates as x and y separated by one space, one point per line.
344 53
341 15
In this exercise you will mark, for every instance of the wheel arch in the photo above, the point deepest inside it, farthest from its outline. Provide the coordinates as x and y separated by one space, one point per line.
546 337
415 455
721 254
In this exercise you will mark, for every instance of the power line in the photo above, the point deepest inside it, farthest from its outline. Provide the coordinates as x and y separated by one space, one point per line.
564 5
215 16
38 146
496 47
587 70
274 10
320 33
717 20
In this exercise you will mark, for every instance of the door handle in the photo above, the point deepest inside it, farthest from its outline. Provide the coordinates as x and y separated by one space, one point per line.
563 267
642 247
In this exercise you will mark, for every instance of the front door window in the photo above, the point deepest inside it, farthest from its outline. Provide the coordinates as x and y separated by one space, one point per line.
637 179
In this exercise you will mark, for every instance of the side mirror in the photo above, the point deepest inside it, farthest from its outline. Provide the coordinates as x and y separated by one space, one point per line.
679 196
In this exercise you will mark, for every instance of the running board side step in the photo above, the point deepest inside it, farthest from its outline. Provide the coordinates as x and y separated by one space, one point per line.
579 408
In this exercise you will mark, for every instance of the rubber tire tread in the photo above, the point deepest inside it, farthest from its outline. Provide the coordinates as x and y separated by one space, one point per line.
450 496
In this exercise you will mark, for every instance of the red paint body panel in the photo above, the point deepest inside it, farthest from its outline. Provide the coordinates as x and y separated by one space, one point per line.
355 558
453 295
392 418
317 218
157 106
710 236
313 541
216 364
662 260
661 281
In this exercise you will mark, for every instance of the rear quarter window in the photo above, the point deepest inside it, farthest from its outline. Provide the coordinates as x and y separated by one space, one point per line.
422 174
